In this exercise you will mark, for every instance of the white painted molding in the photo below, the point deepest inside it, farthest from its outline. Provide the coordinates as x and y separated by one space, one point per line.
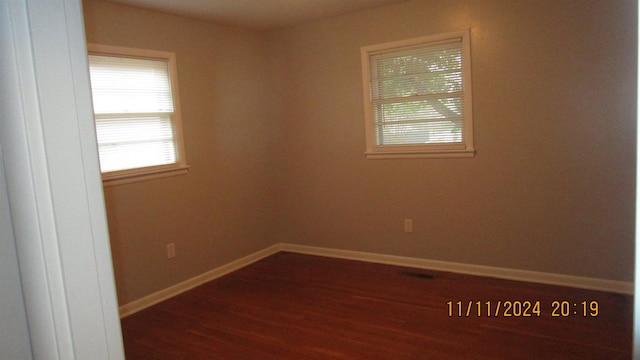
621 287
159 296
53 182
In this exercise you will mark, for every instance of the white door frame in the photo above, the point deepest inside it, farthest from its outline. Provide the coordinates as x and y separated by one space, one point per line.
54 184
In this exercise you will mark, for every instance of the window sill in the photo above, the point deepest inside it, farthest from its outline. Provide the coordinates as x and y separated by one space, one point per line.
419 155
121 178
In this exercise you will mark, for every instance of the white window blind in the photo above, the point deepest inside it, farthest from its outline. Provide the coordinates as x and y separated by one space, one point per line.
133 105
416 96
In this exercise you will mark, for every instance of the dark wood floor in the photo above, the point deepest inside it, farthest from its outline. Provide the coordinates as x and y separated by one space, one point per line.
292 306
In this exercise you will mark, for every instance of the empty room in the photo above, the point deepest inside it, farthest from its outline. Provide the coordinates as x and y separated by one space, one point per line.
423 179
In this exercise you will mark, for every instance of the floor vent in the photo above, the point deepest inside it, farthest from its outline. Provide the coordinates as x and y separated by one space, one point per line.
418 275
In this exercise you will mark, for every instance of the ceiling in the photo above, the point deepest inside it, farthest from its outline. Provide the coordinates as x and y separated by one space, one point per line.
258 14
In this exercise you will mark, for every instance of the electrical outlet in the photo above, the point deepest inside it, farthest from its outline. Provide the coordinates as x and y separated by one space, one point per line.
171 250
408 225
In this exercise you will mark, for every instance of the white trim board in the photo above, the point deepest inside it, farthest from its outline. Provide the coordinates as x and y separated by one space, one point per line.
165 294
622 287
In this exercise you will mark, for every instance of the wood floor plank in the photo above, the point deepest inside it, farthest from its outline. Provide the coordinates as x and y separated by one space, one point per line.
293 306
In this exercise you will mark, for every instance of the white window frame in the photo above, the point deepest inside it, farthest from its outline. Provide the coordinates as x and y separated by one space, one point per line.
463 149
179 167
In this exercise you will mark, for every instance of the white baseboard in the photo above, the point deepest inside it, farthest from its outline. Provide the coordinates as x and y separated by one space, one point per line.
164 294
621 287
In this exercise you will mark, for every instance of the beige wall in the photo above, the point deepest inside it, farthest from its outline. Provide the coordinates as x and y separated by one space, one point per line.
552 186
274 135
222 209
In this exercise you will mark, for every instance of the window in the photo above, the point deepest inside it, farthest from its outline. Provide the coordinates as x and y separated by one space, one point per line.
136 107
417 97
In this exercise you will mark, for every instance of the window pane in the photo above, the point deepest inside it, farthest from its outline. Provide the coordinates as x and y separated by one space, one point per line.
417 95
124 85
127 143
438 132
427 70
419 122
419 110
134 110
